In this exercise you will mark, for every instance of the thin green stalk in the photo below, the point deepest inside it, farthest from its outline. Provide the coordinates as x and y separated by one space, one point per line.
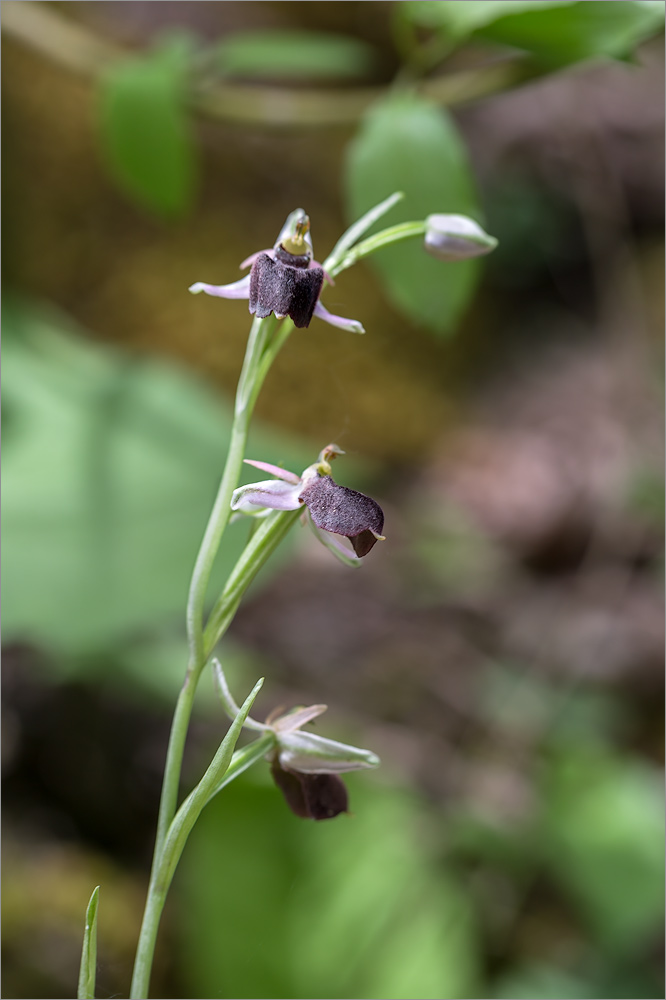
251 378
271 351
174 758
263 543
219 518
179 831
249 383
403 231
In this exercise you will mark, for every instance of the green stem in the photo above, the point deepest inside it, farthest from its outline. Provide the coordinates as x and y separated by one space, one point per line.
248 388
262 545
251 378
272 348
217 775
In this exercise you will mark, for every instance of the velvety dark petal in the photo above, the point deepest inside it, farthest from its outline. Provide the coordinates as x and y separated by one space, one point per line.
290 785
363 543
284 290
344 511
326 795
312 796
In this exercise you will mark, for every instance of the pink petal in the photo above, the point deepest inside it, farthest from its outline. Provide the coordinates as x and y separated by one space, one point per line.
315 263
294 720
345 324
275 470
236 290
253 256
272 493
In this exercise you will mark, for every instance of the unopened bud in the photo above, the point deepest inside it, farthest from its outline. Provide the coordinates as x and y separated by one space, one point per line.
456 237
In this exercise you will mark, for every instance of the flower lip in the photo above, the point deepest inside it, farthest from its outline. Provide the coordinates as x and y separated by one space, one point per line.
311 796
345 512
284 288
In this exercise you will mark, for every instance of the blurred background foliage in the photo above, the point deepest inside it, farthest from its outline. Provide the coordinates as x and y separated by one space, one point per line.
502 652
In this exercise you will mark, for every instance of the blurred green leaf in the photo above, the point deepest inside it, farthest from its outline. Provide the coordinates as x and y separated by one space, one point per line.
578 31
459 17
408 144
547 982
88 969
294 54
144 131
355 907
556 32
111 464
604 836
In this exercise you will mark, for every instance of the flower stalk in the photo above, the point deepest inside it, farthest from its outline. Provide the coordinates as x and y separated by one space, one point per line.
285 283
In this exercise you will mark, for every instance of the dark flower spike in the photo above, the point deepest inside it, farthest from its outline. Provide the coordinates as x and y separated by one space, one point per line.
284 280
333 509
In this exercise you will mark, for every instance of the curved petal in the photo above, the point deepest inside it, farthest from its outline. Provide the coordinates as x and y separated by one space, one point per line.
313 754
275 470
253 256
299 717
335 545
352 325
272 493
236 290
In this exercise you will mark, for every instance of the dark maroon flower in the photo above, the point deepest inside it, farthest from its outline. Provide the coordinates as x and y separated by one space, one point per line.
284 280
333 509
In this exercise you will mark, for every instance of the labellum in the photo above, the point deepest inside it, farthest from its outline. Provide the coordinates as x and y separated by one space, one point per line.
312 796
285 285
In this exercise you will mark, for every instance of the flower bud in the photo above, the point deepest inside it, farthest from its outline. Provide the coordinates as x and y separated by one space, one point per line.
456 237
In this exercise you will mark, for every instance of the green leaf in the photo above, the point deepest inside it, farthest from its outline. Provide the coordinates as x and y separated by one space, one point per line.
87 972
555 32
604 837
295 54
360 906
408 144
460 18
144 131
111 464
574 32
548 982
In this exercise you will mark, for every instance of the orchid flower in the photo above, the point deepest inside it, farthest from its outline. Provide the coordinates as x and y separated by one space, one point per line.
306 767
284 280
331 509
